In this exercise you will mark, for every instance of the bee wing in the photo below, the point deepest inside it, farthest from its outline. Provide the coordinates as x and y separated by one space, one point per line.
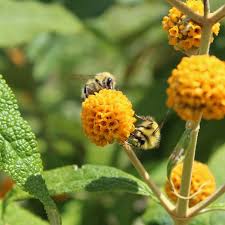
82 77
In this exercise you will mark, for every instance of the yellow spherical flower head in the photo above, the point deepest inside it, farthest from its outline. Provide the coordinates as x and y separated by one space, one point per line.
202 183
197 86
183 33
107 116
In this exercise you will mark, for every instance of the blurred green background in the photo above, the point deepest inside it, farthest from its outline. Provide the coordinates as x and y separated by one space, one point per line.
43 44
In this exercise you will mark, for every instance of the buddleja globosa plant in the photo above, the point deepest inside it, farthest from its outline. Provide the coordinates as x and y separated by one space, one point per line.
196 91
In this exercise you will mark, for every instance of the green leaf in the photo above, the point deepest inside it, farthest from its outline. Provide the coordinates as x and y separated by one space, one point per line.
25 19
93 178
89 178
19 156
16 215
35 185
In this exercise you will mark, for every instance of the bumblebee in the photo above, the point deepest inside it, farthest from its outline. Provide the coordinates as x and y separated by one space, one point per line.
101 81
146 135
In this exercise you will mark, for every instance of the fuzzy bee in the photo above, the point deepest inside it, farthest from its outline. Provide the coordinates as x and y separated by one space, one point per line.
100 81
146 135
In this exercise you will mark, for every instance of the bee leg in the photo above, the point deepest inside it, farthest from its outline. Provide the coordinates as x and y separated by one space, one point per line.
139 117
87 91
149 118
128 143
99 83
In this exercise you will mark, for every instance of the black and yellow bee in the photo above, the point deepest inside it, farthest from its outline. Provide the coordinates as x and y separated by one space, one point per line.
100 81
146 134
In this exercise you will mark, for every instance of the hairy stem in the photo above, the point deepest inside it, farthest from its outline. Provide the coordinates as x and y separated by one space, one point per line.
217 15
206 31
187 11
182 204
205 39
145 175
206 8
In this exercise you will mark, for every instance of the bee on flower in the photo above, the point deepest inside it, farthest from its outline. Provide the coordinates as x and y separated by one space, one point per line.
103 80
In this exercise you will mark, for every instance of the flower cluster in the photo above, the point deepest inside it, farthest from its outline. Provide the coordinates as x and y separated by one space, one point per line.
197 86
107 116
202 183
183 33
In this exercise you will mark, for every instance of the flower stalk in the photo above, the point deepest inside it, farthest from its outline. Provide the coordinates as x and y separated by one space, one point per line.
183 203
205 39
148 180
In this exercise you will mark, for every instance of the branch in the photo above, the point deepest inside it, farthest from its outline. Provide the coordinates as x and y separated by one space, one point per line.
217 15
194 210
145 175
206 8
182 204
187 11
210 210
205 39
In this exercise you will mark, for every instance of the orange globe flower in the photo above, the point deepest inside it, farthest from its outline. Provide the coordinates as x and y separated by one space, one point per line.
202 183
183 33
197 86
107 116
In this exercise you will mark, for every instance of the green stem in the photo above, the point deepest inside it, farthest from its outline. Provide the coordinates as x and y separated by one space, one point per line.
148 180
182 204
205 40
206 8
217 15
53 215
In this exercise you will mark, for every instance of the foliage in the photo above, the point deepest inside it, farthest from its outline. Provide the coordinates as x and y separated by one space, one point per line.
47 49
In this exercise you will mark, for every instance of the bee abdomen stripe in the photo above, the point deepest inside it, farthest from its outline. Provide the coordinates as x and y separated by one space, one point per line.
144 135
145 127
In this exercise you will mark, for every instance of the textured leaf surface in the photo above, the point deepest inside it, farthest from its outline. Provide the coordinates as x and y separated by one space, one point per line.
26 19
19 156
16 215
93 179
89 178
